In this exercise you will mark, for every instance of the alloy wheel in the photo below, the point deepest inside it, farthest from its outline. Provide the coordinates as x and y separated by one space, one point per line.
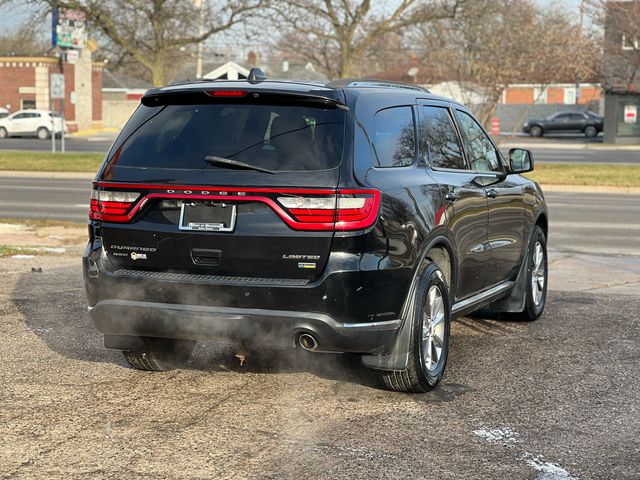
433 330
538 274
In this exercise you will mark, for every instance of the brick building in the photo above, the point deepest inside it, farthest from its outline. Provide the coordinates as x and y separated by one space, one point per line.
25 84
622 72
552 94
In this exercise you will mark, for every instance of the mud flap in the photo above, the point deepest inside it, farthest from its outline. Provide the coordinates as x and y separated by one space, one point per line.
398 358
515 303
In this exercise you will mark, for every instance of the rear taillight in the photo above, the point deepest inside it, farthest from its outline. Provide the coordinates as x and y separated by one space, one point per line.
112 206
299 208
348 210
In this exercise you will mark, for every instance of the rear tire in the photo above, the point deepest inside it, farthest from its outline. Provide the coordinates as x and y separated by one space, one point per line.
430 323
536 278
160 354
3 132
43 133
535 131
590 131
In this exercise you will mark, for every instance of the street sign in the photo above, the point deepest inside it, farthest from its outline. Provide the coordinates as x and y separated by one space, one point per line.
630 114
57 86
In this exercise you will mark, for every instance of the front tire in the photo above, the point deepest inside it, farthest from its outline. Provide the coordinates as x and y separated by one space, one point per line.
535 131
429 336
3 133
537 275
160 354
43 133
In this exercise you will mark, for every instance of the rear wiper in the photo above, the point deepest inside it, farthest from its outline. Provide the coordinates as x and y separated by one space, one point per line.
227 162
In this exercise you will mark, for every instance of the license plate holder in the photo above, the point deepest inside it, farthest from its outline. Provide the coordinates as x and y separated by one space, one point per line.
207 216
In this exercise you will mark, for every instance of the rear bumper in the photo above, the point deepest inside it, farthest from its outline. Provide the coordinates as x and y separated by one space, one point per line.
348 309
277 328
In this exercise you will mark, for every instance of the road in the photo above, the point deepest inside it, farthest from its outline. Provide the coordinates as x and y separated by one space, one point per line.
602 223
544 154
71 144
553 155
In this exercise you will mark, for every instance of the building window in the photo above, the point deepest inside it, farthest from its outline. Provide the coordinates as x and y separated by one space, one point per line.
27 104
629 43
570 95
540 95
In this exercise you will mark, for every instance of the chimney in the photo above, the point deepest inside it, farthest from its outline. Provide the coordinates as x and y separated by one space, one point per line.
252 58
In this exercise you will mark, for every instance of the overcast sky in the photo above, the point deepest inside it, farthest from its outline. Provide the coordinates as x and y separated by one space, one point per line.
14 16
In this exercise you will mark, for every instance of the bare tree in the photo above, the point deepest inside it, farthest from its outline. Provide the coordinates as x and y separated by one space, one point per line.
620 22
335 34
23 40
495 43
154 32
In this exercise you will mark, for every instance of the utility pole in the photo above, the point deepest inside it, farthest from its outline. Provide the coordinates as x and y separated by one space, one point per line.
198 4
580 35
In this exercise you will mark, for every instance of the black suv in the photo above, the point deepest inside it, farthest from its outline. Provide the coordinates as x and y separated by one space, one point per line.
348 217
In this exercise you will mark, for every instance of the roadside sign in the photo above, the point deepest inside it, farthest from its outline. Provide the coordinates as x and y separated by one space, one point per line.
68 28
630 114
57 86
72 56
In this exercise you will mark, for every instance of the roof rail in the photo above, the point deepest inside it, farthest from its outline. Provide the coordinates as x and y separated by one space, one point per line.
372 83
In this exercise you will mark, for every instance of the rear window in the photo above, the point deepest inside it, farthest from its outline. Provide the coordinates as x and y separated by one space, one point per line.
276 137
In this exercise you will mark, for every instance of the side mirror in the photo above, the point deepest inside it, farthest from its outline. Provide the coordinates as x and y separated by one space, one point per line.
520 160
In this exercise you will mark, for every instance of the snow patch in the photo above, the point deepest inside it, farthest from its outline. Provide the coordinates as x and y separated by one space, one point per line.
22 257
548 471
498 435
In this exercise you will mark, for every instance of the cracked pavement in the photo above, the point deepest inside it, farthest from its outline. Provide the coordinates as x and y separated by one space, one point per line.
559 397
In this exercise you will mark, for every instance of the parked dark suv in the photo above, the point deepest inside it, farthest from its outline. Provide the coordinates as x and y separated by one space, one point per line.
349 217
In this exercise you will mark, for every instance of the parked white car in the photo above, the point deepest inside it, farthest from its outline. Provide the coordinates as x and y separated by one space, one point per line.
26 123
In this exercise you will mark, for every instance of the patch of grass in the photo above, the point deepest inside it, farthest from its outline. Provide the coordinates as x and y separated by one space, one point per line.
9 250
50 162
42 222
586 174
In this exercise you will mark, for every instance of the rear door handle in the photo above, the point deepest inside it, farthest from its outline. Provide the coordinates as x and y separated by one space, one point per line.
452 196
492 193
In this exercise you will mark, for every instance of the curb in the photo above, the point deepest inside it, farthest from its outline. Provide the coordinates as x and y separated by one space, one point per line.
545 187
590 189
71 175
570 146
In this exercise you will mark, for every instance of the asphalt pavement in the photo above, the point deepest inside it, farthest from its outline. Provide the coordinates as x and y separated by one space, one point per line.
96 144
558 150
596 223
556 399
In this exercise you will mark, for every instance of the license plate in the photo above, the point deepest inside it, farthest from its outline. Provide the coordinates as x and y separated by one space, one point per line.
207 216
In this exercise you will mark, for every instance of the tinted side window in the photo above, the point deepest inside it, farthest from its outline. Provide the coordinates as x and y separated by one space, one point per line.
394 137
483 156
438 140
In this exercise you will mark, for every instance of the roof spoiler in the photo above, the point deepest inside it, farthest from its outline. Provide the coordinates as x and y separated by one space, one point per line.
156 97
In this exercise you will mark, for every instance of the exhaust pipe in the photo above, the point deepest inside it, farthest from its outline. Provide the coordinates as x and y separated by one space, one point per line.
307 341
